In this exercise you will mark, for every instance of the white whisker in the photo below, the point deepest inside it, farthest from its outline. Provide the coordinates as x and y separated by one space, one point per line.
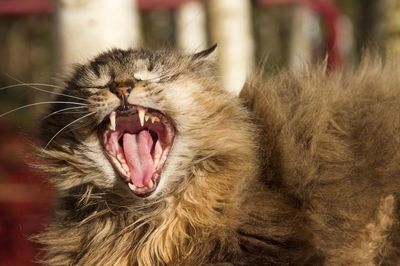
75 127
40 103
30 85
65 109
58 132
76 112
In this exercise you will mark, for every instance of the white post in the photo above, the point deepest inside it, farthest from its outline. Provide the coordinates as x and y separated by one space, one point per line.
85 28
191 27
305 32
231 30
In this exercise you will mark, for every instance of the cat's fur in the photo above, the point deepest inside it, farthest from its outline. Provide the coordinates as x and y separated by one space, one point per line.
302 170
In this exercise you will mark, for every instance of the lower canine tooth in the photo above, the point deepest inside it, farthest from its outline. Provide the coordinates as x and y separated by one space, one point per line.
150 184
132 186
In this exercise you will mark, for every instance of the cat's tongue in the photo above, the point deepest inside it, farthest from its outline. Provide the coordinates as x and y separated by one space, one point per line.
137 149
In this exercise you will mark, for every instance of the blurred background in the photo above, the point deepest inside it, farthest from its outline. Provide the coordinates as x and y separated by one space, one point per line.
40 39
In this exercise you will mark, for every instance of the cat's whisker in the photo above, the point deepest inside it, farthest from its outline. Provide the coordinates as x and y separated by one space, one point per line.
76 112
91 88
32 86
40 103
69 124
84 125
65 109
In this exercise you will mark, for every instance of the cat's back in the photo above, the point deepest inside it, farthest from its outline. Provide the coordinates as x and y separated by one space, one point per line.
350 118
333 142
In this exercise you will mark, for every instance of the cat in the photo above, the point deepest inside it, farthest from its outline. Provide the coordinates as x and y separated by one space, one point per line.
154 163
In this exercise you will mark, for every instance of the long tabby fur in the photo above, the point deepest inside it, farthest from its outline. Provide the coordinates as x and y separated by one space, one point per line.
300 170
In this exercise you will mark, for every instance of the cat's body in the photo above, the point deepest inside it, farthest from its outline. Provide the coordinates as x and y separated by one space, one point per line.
305 172
332 148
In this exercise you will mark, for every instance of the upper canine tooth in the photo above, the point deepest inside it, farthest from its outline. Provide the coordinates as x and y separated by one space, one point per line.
112 120
141 112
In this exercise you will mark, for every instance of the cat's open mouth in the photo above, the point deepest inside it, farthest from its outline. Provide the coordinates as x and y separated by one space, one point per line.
137 142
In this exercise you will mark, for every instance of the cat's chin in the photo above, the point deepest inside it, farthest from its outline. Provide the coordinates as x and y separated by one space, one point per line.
137 142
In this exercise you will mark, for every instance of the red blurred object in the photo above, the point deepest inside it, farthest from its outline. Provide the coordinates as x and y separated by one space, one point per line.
25 200
25 7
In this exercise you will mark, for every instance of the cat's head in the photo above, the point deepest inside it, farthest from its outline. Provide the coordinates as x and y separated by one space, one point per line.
144 121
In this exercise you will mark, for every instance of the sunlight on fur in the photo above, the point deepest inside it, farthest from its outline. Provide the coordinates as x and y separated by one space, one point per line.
165 167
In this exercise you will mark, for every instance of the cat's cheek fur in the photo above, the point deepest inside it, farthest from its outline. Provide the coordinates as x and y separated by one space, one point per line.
192 120
106 175
175 170
103 104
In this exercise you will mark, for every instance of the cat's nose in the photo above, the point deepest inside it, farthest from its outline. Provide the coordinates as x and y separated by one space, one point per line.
123 93
122 90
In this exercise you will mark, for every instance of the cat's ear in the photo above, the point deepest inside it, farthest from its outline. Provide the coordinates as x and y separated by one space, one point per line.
203 63
205 53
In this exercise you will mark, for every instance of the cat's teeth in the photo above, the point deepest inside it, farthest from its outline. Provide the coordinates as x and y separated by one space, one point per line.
164 155
125 167
132 186
123 163
157 153
141 112
146 118
122 169
150 184
112 120
154 119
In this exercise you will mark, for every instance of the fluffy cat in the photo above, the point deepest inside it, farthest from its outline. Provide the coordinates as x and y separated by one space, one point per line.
164 167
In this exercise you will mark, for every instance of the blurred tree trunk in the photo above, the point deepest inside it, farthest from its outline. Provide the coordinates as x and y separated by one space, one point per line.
302 41
372 24
158 28
273 30
231 30
85 28
393 28
191 27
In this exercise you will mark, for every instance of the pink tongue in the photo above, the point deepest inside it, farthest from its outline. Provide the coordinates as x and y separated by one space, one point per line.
137 150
